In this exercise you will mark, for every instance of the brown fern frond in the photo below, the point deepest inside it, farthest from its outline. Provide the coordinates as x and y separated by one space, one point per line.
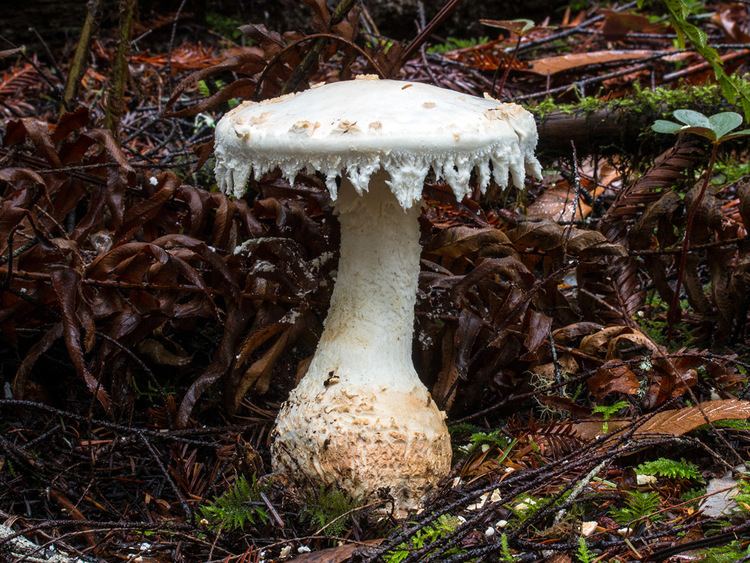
557 439
632 200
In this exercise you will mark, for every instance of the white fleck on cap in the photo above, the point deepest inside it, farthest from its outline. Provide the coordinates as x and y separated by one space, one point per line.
356 127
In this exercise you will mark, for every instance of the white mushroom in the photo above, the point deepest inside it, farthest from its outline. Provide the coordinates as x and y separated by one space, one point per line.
361 419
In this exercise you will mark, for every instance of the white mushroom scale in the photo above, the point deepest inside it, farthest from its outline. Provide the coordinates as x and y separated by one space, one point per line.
360 419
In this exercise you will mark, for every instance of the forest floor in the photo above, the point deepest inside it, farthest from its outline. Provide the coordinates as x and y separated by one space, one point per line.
587 335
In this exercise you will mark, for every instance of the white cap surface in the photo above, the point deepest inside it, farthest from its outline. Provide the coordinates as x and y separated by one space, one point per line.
356 127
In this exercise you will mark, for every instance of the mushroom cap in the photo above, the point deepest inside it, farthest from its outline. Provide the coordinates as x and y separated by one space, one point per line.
357 127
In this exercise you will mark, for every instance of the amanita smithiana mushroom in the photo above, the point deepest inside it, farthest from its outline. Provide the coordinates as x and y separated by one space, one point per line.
360 419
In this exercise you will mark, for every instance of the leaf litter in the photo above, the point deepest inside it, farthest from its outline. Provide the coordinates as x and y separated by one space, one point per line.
145 351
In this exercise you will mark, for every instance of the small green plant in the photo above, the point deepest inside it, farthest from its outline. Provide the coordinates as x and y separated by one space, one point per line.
671 469
441 527
524 506
691 496
730 171
717 129
733 86
505 554
584 554
607 412
638 506
484 441
733 423
462 430
729 553
492 439
743 496
330 510
238 507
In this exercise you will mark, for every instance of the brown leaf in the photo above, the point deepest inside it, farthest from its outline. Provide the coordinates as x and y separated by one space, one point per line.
587 244
72 511
674 422
259 373
462 240
566 363
235 323
632 199
743 191
735 20
466 335
609 289
66 283
21 377
631 340
249 61
563 404
519 27
552 65
241 88
208 255
444 389
573 332
256 339
557 203
613 377
13 175
617 24
537 330
321 14
159 354
597 344
334 554
549 236
5 53
262 34
681 421
38 132
70 121
139 214
111 147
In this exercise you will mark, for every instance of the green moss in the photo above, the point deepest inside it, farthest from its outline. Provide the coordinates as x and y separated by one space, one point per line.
728 553
453 43
733 423
730 171
659 101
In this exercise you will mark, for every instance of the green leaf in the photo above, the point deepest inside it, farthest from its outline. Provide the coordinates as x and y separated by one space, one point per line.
638 505
670 468
237 508
736 135
668 127
723 123
705 132
692 118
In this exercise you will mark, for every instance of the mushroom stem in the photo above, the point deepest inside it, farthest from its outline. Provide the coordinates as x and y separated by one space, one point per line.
361 419
371 317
